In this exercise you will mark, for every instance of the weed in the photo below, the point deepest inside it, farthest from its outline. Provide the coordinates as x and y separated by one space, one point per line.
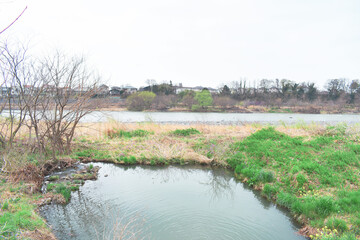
5 206
118 133
94 154
21 216
265 176
185 132
127 160
53 178
270 191
50 187
74 188
336 223
63 190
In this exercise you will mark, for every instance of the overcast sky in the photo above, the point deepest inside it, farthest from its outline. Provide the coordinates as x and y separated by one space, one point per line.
196 42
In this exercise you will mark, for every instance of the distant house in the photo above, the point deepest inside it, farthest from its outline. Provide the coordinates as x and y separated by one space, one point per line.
117 91
130 89
180 89
103 90
4 91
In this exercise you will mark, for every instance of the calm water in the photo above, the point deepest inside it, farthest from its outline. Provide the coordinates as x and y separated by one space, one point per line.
168 203
221 118
216 118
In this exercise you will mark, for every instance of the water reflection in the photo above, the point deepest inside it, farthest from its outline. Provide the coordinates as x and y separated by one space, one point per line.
219 185
167 203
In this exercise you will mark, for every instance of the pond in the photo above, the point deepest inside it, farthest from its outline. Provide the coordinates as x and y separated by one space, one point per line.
173 202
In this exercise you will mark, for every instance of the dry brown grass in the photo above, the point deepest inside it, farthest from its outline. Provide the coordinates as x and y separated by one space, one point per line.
38 234
211 146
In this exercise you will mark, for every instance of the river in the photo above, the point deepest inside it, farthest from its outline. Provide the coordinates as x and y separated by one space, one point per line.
173 202
215 118
220 118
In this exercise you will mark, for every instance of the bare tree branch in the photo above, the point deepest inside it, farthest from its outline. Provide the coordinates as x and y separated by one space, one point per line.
14 21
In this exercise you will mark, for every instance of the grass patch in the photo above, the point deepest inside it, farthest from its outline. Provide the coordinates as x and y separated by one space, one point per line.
17 213
119 133
128 160
94 154
316 179
185 132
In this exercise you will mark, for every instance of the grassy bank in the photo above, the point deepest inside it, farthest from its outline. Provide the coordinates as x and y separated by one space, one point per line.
18 212
312 170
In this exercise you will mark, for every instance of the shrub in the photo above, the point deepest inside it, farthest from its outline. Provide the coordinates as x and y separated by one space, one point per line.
140 101
204 100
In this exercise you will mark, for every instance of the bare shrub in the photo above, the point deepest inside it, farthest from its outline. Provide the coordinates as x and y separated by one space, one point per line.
224 102
48 96
163 102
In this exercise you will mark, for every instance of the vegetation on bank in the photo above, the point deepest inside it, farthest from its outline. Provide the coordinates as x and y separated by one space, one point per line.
18 216
317 180
267 95
311 170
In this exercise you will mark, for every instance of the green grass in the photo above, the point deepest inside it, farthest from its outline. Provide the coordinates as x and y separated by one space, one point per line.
94 154
185 132
53 178
316 179
63 189
128 160
118 133
18 215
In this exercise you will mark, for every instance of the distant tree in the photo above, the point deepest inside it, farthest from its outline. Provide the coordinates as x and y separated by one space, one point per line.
163 102
224 102
354 88
225 91
265 85
311 93
160 89
151 83
188 98
285 86
204 100
335 88
140 101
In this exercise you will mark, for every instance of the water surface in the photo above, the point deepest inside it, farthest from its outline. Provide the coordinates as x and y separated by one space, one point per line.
221 118
168 203
215 118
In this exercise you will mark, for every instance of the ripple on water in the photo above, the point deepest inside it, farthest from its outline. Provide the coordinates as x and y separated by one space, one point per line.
168 203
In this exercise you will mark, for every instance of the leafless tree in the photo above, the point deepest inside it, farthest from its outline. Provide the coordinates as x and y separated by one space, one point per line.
68 87
224 102
50 97
14 71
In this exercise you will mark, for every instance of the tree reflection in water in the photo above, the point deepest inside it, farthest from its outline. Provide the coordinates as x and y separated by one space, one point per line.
220 184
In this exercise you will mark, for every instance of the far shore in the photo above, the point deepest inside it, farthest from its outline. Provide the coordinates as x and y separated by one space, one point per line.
251 109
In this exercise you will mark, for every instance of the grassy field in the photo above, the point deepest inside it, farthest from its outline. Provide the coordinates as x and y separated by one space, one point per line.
312 170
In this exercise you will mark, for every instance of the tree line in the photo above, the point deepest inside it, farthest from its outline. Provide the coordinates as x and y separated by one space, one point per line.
265 92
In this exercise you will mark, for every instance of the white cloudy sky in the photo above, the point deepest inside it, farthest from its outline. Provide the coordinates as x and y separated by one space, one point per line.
196 42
